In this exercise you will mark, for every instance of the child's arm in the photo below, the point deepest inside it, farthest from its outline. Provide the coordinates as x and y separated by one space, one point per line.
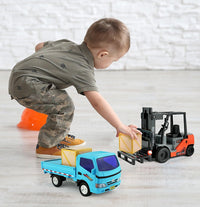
105 110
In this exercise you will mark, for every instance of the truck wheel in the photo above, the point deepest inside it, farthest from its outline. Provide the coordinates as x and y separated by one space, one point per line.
84 189
190 150
162 154
56 180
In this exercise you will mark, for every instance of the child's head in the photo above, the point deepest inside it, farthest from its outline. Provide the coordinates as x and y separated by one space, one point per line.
108 39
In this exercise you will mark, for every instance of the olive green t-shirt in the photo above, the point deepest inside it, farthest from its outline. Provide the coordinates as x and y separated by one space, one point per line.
62 63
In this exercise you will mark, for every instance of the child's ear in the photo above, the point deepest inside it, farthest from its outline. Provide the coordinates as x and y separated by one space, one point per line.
102 53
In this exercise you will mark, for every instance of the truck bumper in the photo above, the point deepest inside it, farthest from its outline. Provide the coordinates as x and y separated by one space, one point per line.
107 188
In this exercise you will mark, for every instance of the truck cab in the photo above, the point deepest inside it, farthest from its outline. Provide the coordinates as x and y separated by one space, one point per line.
101 172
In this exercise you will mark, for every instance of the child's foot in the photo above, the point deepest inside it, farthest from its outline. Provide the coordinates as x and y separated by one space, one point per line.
72 142
68 142
48 153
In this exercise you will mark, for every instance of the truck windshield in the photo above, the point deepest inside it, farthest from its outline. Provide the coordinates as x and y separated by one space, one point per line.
107 163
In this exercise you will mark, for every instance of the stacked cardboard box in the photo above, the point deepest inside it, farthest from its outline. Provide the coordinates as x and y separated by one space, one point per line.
68 156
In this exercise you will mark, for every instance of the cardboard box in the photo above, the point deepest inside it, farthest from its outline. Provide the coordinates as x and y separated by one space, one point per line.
68 156
126 144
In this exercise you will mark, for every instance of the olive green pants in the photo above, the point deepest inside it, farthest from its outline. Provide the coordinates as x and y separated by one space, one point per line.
46 98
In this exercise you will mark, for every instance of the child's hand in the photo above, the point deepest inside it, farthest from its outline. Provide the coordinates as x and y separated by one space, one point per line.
130 130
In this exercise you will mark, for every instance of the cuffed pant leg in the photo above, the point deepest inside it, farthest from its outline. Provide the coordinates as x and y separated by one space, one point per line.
57 125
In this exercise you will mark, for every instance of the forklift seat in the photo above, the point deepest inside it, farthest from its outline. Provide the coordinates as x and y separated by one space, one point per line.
175 132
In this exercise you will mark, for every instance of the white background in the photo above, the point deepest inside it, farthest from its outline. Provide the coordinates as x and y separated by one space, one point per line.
165 34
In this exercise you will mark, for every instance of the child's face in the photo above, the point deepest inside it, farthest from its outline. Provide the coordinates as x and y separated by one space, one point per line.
105 59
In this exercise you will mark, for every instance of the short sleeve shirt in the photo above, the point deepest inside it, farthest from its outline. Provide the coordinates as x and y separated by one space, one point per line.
62 63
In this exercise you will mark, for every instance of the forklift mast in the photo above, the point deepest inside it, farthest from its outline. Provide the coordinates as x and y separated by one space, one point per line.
148 123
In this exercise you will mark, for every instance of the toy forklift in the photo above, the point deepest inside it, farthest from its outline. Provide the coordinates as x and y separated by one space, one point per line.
165 143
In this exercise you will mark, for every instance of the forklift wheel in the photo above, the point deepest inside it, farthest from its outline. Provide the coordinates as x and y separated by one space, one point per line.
162 154
190 150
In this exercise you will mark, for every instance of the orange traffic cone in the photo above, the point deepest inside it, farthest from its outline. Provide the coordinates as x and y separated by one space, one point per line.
32 120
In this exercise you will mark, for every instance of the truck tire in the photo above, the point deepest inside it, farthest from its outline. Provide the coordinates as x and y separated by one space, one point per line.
190 150
162 154
56 180
84 189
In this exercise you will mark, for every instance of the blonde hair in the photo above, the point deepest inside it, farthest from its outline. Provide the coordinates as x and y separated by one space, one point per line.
108 31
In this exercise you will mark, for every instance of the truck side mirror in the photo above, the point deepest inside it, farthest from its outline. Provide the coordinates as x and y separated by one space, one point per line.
93 171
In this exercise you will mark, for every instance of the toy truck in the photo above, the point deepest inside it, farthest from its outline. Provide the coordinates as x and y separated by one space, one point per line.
165 143
95 172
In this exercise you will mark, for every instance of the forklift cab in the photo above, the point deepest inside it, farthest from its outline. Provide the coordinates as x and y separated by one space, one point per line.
170 132
169 128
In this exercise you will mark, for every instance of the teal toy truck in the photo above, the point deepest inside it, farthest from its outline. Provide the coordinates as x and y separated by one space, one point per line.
95 172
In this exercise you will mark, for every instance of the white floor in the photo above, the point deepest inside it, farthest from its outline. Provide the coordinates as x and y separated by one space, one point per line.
175 183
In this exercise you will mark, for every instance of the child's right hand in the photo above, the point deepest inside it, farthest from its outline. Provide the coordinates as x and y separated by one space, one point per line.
130 130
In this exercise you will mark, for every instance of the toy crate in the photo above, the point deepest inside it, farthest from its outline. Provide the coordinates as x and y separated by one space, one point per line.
126 144
68 156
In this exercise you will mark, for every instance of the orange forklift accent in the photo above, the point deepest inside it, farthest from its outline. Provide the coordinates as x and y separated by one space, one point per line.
181 149
32 120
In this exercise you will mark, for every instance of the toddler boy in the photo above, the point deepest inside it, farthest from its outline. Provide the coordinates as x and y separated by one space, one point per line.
38 82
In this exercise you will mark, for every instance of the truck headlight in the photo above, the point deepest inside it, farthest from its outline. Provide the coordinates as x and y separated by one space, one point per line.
101 185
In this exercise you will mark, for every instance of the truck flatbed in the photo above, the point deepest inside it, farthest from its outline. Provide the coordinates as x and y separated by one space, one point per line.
58 168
